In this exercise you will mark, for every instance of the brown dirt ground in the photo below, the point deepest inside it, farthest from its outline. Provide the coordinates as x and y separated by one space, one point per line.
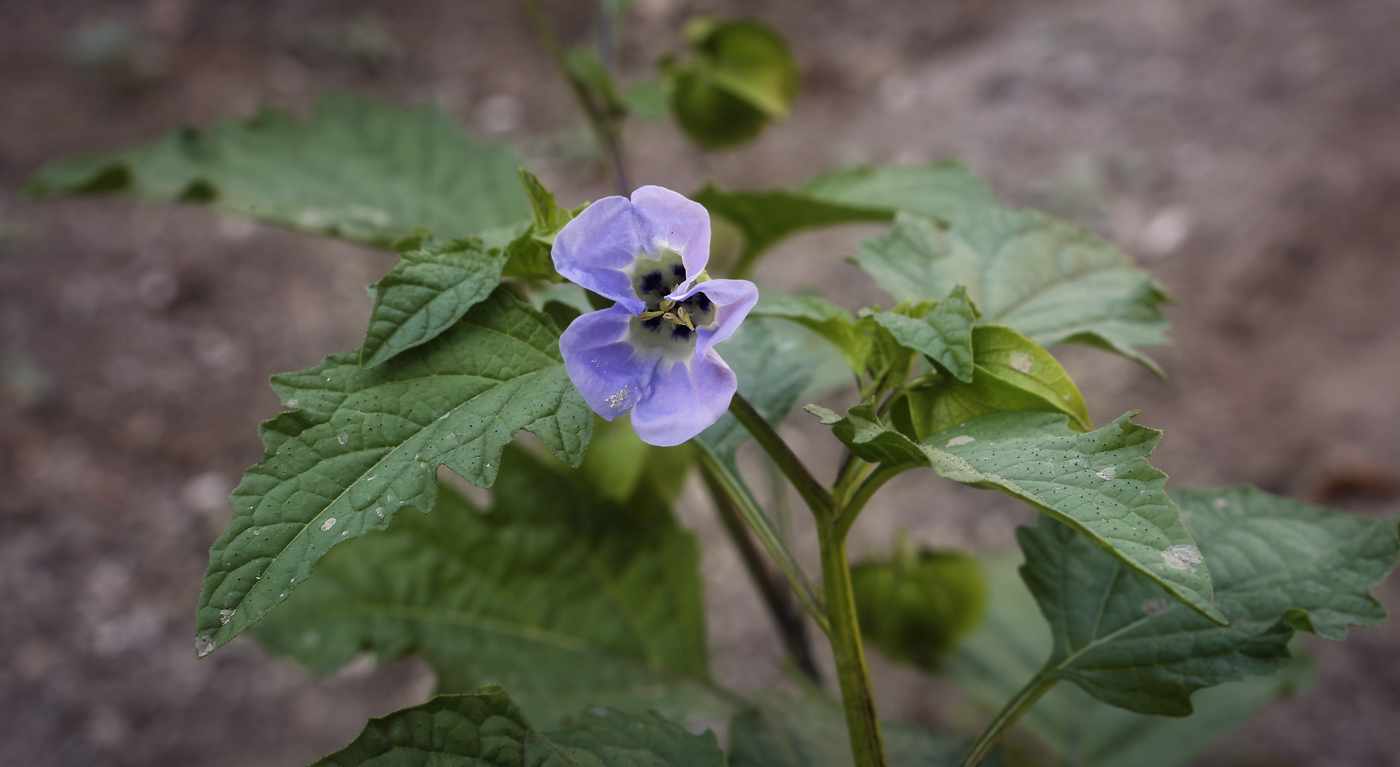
1248 151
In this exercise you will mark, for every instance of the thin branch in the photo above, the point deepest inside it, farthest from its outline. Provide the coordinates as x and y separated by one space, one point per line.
605 127
778 599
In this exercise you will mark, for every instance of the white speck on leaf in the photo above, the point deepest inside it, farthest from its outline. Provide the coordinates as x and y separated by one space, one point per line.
961 440
1022 362
1108 473
293 403
224 616
1155 607
328 524
1182 557
380 512
341 438
203 645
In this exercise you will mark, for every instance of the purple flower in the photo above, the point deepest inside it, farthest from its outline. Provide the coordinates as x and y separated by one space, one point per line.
651 352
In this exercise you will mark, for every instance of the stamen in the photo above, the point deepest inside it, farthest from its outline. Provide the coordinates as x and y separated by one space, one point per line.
685 317
650 314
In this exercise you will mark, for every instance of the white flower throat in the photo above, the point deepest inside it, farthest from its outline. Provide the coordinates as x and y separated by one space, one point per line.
666 320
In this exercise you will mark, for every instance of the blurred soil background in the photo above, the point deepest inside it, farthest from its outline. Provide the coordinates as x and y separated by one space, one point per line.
1246 151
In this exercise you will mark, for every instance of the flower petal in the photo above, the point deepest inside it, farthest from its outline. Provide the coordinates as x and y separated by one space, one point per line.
597 249
608 371
666 219
685 399
732 299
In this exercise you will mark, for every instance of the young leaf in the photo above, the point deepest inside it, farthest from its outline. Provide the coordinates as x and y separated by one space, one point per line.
427 292
1045 278
944 334
1098 483
1011 645
528 252
824 318
1280 566
354 169
487 728
810 731
364 443
1012 373
571 598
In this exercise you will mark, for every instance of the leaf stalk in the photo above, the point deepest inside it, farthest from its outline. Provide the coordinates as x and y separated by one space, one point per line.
1012 712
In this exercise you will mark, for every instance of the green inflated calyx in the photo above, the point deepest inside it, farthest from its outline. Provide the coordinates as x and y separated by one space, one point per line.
916 606
741 77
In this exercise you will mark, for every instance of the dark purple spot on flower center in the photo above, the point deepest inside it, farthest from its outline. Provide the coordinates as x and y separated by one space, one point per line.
701 302
680 332
651 282
678 271
653 324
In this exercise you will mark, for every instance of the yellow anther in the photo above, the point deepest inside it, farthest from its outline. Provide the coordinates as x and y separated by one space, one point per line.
651 314
685 317
667 304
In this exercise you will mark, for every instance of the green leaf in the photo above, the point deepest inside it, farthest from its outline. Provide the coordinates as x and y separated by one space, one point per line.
647 99
488 728
569 597
1047 279
354 169
1012 373
824 318
1280 565
944 334
945 191
765 218
773 366
427 292
810 731
1010 646
361 444
742 77
918 604
1099 483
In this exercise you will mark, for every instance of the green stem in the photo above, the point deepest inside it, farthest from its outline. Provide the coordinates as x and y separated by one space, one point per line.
857 697
733 489
812 492
1008 716
862 720
851 508
789 621
606 128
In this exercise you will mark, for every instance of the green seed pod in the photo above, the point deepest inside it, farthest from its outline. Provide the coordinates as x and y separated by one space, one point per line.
917 606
